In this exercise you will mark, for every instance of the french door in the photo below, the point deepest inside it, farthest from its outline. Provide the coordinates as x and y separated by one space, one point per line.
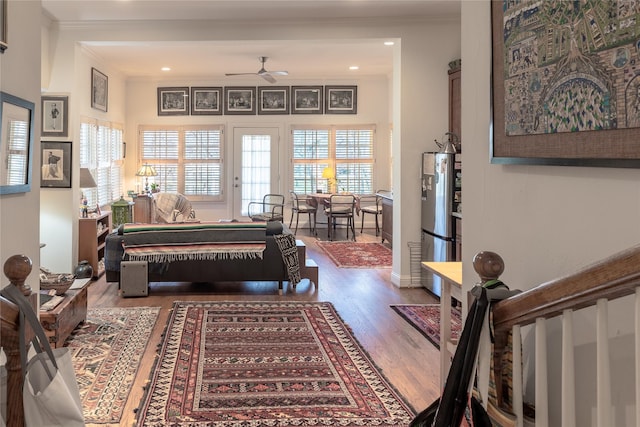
255 166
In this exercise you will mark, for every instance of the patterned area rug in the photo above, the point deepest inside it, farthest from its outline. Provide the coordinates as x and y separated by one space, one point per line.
228 364
106 352
357 255
426 319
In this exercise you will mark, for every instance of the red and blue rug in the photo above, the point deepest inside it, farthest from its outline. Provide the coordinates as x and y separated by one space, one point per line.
357 254
426 319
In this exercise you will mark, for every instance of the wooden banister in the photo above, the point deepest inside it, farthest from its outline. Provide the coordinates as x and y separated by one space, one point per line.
16 268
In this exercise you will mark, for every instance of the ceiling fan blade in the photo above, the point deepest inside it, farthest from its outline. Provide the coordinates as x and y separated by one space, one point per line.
240 74
279 73
268 77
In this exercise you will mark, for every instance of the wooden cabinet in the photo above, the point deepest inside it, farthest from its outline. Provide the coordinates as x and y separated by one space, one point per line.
387 220
92 236
143 208
455 102
63 319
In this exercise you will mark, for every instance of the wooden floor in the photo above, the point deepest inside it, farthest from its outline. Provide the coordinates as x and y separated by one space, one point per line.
361 297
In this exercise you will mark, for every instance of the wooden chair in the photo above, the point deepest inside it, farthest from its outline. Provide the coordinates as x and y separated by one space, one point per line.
341 206
302 207
271 208
370 204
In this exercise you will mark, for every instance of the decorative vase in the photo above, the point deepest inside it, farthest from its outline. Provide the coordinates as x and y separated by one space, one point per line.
83 270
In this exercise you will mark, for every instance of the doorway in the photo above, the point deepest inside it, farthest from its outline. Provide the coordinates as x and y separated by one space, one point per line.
255 166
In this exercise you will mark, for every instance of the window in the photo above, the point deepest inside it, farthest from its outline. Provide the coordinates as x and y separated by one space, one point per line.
101 151
187 159
347 150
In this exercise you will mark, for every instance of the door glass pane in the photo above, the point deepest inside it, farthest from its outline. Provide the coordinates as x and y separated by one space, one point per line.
256 169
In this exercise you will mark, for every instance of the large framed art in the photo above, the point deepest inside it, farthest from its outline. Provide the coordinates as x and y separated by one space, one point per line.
56 164
341 99
565 84
55 116
273 100
306 100
173 101
206 101
99 90
240 100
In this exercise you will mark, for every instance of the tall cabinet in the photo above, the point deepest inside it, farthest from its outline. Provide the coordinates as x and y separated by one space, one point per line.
92 240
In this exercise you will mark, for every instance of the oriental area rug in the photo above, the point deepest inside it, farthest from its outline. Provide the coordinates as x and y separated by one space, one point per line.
357 255
106 351
426 319
224 364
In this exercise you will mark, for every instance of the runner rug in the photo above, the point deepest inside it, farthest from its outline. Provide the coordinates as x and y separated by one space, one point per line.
106 352
357 255
225 364
426 319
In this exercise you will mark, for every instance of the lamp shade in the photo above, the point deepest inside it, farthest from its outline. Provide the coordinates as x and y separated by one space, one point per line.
146 170
327 173
86 179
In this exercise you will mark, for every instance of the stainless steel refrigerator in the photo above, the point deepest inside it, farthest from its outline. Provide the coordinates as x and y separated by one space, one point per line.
438 190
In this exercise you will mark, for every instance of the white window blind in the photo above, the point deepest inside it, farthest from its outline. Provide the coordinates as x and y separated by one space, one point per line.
348 150
17 152
101 151
187 159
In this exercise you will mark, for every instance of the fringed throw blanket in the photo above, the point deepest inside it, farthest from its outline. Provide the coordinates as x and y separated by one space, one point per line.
194 241
289 250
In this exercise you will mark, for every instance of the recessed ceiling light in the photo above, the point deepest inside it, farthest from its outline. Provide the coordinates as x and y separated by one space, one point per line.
389 43
166 69
354 67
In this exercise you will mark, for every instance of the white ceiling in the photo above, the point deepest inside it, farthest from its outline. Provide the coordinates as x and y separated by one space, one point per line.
210 60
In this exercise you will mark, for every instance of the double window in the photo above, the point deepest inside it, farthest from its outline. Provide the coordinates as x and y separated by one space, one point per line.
333 158
101 151
187 159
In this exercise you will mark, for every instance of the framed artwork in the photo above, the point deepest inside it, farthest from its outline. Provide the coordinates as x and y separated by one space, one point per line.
564 92
99 90
3 25
206 101
341 99
306 100
273 99
55 116
56 164
173 101
16 143
240 100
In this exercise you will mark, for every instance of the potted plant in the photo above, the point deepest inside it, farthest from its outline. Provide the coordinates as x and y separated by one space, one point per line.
155 188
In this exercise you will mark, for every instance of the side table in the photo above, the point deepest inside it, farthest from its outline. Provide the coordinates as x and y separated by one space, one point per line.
59 322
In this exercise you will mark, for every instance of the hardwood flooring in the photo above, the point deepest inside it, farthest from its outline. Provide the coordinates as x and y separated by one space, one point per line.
361 297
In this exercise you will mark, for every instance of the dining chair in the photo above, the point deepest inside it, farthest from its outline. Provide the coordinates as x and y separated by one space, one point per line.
341 206
370 204
302 207
271 208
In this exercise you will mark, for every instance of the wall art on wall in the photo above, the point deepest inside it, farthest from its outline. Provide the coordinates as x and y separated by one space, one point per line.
55 116
566 83
3 25
206 101
173 101
16 143
273 99
341 99
240 100
306 100
99 90
56 164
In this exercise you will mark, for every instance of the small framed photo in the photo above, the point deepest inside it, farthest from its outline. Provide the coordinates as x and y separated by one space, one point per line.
55 118
273 99
341 99
173 101
56 164
240 100
99 90
306 100
206 101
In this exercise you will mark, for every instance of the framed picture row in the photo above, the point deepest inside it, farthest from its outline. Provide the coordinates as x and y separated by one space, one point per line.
261 100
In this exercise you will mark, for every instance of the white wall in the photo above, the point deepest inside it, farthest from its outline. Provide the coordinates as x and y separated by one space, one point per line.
20 76
545 221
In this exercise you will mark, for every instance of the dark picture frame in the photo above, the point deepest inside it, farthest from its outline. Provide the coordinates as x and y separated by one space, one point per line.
240 100
306 99
55 167
341 99
206 101
273 100
16 143
99 90
55 116
3 25
528 125
173 101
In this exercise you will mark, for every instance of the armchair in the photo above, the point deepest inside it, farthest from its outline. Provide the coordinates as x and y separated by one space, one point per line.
271 208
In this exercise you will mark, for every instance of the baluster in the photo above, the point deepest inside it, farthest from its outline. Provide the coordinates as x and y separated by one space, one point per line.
603 394
568 372
542 403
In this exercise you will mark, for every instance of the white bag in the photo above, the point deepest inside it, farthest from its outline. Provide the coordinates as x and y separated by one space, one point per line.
50 392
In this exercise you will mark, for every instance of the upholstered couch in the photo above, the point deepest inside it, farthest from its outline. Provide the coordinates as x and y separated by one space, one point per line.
230 257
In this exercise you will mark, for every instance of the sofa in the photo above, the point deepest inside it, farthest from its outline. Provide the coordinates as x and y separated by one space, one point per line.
206 252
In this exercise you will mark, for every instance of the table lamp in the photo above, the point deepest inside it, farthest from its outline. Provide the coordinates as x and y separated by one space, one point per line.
146 170
330 176
86 181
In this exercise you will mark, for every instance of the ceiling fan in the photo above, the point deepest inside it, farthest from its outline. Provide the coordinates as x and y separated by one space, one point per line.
262 72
